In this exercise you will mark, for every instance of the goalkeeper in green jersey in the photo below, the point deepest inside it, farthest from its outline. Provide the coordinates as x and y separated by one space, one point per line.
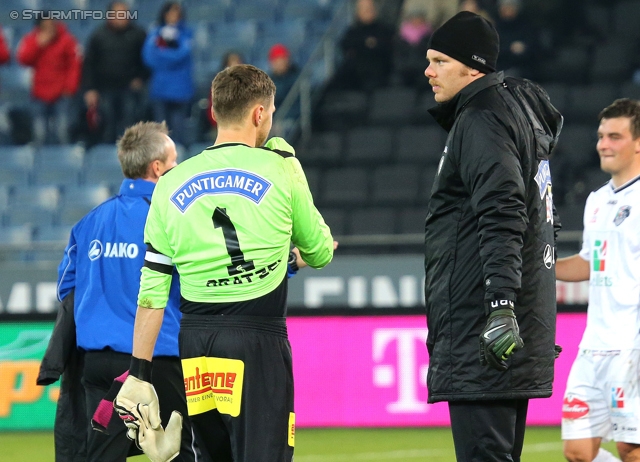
225 220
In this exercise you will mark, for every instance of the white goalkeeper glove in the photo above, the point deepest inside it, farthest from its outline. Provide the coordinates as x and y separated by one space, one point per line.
133 392
159 445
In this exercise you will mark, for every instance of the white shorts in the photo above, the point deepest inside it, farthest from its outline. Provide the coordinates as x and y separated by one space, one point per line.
602 399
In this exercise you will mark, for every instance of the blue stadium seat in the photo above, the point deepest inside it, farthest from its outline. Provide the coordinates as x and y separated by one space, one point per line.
411 220
558 94
15 78
80 200
323 148
630 90
239 34
104 155
313 176
368 145
16 165
55 233
577 146
392 106
292 32
423 145
396 185
625 19
264 9
196 148
305 9
428 177
586 102
336 219
21 234
212 11
344 186
33 205
59 165
379 220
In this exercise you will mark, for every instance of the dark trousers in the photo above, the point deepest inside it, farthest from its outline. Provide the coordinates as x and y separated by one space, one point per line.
260 433
121 109
100 368
488 431
175 114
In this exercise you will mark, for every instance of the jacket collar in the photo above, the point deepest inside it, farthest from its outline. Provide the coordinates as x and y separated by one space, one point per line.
138 187
446 113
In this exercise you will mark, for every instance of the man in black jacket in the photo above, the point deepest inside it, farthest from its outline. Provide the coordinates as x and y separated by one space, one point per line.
114 74
489 244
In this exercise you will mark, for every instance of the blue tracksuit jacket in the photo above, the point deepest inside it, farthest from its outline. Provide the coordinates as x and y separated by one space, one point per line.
102 261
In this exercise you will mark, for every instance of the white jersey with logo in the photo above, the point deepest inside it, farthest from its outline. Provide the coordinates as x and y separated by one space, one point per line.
611 245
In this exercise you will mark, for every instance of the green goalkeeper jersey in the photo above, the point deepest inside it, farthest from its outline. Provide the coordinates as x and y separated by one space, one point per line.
226 218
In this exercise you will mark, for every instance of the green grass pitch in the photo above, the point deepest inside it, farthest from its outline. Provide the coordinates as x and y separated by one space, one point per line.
542 444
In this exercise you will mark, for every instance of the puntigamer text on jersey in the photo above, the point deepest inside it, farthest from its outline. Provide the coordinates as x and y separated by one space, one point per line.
227 181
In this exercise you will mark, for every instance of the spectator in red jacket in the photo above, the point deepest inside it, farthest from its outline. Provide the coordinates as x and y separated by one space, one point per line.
54 55
5 55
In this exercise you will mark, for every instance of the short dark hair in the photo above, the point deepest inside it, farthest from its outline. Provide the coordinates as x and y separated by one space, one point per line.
112 5
235 89
140 145
624 107
166 7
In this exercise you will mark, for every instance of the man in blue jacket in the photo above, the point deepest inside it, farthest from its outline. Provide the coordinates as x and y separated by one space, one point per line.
102 262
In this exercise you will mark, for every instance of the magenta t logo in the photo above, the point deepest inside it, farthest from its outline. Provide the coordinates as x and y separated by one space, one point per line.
405 373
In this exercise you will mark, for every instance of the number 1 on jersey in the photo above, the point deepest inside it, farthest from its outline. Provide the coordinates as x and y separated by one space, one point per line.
238 263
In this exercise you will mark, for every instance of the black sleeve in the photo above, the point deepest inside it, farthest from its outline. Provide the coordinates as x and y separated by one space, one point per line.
143 71
492 174
89 67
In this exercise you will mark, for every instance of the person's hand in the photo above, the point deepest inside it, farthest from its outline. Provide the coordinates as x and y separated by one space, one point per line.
300 262
557 349
500 338
136 84
136 392
158 444
518 47
91 98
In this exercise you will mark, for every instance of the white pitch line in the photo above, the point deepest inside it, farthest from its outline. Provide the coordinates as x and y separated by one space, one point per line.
363 456
411 454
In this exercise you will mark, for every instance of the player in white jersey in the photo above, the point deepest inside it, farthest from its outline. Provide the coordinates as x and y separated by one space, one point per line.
602 401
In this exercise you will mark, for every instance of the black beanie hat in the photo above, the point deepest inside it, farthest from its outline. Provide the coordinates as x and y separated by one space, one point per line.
470 39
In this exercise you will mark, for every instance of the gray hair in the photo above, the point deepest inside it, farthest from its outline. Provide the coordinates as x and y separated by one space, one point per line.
140 145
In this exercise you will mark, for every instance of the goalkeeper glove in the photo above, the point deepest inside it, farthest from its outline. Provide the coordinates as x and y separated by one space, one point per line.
135 390
500 338
279 144
159 445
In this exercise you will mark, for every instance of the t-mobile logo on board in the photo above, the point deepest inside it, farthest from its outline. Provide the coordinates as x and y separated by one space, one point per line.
599 255
405 374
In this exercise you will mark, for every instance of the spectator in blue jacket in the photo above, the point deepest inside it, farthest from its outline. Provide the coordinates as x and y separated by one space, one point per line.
167 52
102 262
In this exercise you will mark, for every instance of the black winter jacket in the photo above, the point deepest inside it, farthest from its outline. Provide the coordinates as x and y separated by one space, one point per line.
490 235
113 58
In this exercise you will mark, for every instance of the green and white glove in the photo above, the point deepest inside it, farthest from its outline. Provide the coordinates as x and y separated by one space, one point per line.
500 338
